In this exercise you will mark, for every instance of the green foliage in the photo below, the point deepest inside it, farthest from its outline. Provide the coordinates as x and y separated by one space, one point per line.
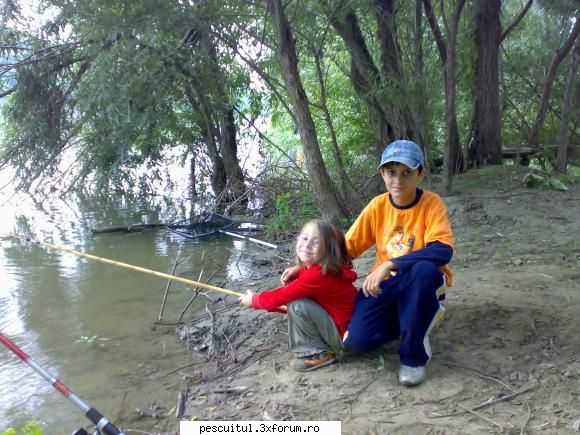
544 181
30 428
127 92
293 210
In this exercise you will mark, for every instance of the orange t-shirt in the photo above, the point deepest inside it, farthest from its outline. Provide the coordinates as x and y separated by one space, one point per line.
398 231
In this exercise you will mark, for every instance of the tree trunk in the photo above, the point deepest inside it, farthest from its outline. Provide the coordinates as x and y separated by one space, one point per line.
324 191
227 128
364 76
229 152
485 147
561 53
350 197
198 102
419 64
389 120
192 178
453 161
562 157
453 150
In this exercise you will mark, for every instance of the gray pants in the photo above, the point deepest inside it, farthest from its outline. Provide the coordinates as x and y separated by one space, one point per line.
311 329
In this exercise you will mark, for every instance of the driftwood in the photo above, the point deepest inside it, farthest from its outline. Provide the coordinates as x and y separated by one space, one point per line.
128 229
238 219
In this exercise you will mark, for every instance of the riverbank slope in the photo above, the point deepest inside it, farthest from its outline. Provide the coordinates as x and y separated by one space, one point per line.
505 358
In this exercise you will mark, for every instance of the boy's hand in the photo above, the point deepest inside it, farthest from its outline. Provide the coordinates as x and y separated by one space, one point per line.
289 274
372 284
246 300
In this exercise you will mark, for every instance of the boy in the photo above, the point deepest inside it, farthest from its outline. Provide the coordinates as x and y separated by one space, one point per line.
400 296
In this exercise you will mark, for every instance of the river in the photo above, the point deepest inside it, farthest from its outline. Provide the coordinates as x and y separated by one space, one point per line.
91 324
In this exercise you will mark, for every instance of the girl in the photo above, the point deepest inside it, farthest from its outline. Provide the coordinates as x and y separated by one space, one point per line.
320 299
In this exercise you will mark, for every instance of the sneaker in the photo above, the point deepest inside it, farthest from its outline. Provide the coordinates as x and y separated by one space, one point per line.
410 376
313 362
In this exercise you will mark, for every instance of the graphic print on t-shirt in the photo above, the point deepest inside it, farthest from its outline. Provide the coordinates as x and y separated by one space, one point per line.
399 243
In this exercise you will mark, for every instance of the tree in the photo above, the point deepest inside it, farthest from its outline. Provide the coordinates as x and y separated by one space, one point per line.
452 157
561 160
390 118
118 93
485 147
559 56
326 197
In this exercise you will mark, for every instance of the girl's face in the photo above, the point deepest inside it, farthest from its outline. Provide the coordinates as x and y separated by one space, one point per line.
308 245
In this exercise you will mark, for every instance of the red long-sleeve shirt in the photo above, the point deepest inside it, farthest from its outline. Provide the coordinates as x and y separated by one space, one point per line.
333 292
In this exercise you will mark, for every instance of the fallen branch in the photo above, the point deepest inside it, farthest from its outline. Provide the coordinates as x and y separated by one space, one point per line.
483 417
238 389
488 403
128 228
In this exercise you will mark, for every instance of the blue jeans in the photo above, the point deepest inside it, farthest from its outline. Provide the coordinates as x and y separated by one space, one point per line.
408 307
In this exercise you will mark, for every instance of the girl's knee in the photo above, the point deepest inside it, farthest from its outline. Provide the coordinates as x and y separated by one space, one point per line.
301 307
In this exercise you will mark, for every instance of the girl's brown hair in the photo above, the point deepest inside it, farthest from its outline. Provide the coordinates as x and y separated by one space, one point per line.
332 247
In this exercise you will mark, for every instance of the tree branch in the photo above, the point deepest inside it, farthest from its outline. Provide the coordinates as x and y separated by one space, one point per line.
513 25
441 44
8 92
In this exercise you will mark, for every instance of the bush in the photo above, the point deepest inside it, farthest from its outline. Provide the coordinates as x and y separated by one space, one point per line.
30 428
293 209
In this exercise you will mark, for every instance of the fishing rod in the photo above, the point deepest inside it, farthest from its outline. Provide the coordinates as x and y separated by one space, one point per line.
101 422
131 267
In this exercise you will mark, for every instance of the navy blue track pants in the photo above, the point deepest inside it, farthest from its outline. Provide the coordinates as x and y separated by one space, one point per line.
408 307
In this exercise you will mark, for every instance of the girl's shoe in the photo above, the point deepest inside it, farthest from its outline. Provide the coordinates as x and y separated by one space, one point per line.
410 376
313 362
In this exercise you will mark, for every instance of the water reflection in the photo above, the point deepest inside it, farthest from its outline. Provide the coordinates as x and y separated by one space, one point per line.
90 323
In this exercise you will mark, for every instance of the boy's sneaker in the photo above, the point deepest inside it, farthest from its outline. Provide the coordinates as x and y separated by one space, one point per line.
410 376
313 362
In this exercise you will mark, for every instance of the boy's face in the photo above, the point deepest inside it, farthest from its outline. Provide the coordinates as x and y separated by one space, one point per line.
401 182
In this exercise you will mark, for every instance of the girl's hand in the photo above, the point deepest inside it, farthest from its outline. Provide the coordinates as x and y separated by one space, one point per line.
246 300
372 284
289 274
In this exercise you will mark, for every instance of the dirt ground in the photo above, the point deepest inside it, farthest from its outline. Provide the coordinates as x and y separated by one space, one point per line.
506 358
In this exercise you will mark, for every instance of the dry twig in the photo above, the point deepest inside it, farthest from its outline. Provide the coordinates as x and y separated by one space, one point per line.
480 415
488 403
169 285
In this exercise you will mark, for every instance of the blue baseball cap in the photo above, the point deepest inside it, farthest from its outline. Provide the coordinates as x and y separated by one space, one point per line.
403 151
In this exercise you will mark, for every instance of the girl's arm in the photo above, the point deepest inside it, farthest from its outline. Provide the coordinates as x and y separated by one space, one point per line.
289 274
308 284
246 300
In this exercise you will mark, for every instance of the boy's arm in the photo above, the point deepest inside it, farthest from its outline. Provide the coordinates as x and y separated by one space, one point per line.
361 234
436 252
438 239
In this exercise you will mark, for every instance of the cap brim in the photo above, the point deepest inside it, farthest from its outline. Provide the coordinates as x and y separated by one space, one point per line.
401 160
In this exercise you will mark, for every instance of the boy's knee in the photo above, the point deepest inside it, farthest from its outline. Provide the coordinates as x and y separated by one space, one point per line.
426 270
359 343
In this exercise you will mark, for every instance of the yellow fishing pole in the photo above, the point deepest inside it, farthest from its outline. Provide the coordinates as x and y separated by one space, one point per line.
130 266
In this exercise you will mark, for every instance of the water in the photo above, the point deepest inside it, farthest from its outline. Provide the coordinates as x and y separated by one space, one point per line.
91 324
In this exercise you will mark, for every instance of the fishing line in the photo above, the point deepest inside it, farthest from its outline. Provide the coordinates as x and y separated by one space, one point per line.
129 266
